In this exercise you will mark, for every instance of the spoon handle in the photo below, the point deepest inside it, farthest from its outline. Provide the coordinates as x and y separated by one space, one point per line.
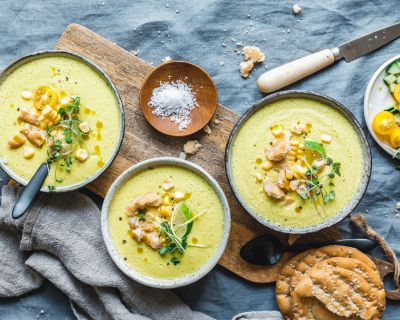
30 192
361 244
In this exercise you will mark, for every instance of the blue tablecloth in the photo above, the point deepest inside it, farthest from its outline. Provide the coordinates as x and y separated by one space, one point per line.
206 32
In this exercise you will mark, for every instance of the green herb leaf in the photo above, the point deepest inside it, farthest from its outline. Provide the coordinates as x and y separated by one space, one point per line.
336 168
329 196
175 260
303 195
163 251
315 146
392 109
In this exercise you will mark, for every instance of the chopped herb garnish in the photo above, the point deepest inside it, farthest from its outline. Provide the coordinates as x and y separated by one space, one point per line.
175 260
64 138
329 196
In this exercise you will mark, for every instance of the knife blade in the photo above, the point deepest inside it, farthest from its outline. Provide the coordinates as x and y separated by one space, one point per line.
359 47
291 72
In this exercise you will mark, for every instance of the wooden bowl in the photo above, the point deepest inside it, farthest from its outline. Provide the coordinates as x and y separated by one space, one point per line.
203 87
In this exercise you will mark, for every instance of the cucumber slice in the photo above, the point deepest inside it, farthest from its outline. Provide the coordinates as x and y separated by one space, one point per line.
391 87
390 79
394 67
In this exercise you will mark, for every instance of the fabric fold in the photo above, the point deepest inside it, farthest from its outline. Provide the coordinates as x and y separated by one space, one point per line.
63 231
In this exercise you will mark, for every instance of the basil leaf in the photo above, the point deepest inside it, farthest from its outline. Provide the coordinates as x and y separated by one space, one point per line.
315 146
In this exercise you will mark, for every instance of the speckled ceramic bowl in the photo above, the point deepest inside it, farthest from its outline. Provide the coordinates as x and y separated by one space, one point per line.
51 53
377 97
118 259
364 145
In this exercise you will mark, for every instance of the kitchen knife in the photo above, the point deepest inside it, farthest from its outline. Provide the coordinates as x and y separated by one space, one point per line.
291 72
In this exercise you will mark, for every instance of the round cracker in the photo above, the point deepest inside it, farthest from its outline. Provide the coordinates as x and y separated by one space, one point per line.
343 292
299 264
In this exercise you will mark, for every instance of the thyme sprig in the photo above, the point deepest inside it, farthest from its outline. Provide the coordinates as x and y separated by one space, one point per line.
64 138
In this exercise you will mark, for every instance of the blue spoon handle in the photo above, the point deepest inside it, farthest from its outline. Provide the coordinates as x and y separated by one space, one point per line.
30 192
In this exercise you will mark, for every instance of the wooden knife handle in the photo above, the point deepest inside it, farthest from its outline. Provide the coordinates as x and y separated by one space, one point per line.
291 72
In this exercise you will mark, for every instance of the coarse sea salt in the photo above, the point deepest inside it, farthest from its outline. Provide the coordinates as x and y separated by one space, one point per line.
175 100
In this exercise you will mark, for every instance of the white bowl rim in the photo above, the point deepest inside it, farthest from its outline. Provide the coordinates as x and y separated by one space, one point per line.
367 96
117 258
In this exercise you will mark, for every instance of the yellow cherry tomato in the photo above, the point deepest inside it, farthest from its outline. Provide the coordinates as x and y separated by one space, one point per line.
395 138
44 96
396 92
384 123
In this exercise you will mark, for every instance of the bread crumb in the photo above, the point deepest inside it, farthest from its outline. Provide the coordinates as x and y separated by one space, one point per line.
246 67
253 54
191 147
207 129
296 9
166 59
182 155
135 52
221 63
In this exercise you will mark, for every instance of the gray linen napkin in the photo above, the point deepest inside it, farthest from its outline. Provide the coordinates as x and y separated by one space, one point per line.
60 240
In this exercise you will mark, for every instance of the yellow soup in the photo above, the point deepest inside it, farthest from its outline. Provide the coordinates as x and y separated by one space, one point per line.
98 107
207 229
255 136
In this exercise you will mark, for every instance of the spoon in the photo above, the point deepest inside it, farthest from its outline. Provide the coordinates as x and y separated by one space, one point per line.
266 250
30 192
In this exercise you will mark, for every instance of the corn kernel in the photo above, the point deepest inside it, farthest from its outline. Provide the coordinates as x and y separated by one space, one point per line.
294 143
292 153
67 101
266 165
28 153
81 155
84 127
308 126
16 141
168 184
49 116
178 196
299 170
326 138
301 146
161 210
26 95
166 200
289 174
168 211
277 130
259 177
300 152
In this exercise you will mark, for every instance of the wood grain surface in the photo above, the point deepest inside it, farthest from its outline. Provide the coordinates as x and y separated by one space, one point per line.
202 85
143 142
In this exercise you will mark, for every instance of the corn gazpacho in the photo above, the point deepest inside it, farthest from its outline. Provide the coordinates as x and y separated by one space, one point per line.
297 162
166 222
60 110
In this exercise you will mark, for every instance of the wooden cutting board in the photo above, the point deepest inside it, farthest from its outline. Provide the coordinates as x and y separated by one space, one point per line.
142 142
